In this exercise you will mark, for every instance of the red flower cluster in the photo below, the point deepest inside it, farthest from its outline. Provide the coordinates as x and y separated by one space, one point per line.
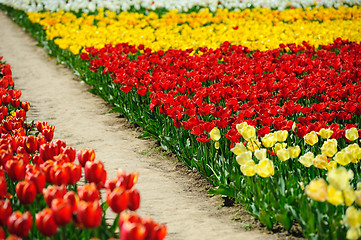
30 163
269 89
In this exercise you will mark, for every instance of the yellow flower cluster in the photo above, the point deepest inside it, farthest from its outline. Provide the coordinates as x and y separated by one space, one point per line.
254 28
339 192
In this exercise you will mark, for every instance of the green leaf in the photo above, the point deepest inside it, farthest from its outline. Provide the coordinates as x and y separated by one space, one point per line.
265 219
224 190
116 110
284 220
145 134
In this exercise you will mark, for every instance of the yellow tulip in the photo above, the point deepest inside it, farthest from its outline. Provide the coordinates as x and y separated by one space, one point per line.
279 146
334 196
239 148
248 133
240 126
352 217
260 154
283 154
349 195
358 197
215 134
248 168
268 140
352 134
311 138
307 159
325 133
244 157
331 165
356 152
253 145
265 168
329 148
216 145
320 161
343 157
339 178
281 135
317 190
353 233
294 151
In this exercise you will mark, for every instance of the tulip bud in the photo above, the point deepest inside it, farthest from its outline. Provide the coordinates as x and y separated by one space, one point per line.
118 200
95 172
53 192
88 192
133 199
84 156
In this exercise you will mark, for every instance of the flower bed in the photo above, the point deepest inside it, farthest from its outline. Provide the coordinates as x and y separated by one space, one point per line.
41 191
266 127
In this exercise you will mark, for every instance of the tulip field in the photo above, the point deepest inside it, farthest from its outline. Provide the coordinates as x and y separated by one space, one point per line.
263 98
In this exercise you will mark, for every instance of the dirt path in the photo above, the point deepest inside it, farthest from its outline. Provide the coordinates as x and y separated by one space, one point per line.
83 121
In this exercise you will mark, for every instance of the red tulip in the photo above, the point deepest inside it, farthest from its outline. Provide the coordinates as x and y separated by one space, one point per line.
131 227
127 180
15 169
25 106
133 199
45 222
73 199
30 144
89 214
3 185
95 172
26 191
84 156
37 176
20 224
2 233
5 211
118 200
48 133
70 152
53 192
88 192
62 211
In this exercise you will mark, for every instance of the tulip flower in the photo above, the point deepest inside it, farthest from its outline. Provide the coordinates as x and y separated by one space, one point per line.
88 192
239 148
320 161
349 196
15 169
283 154
26 191
244 157
265 168
248 169
5 211
269 140
248 133
329 148
281 135
343 157
84 156
317 190
73 199
2 233
352 134
307 159
215 134
339 178
353 233
53 192
61 211
3 186
45 222
311 138
30 144
20 224
127 180
260 154
37 176
118 200
133 199
89 214
95 172
352 217
334 196
325 133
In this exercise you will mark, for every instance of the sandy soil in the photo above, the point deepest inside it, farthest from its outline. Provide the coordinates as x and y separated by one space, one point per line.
170 193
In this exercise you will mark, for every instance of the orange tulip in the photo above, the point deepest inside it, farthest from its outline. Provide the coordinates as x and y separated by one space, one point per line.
95 172
84 156
53 192
88 192
118 200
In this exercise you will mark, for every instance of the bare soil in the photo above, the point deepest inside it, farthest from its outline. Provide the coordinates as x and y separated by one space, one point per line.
170 192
